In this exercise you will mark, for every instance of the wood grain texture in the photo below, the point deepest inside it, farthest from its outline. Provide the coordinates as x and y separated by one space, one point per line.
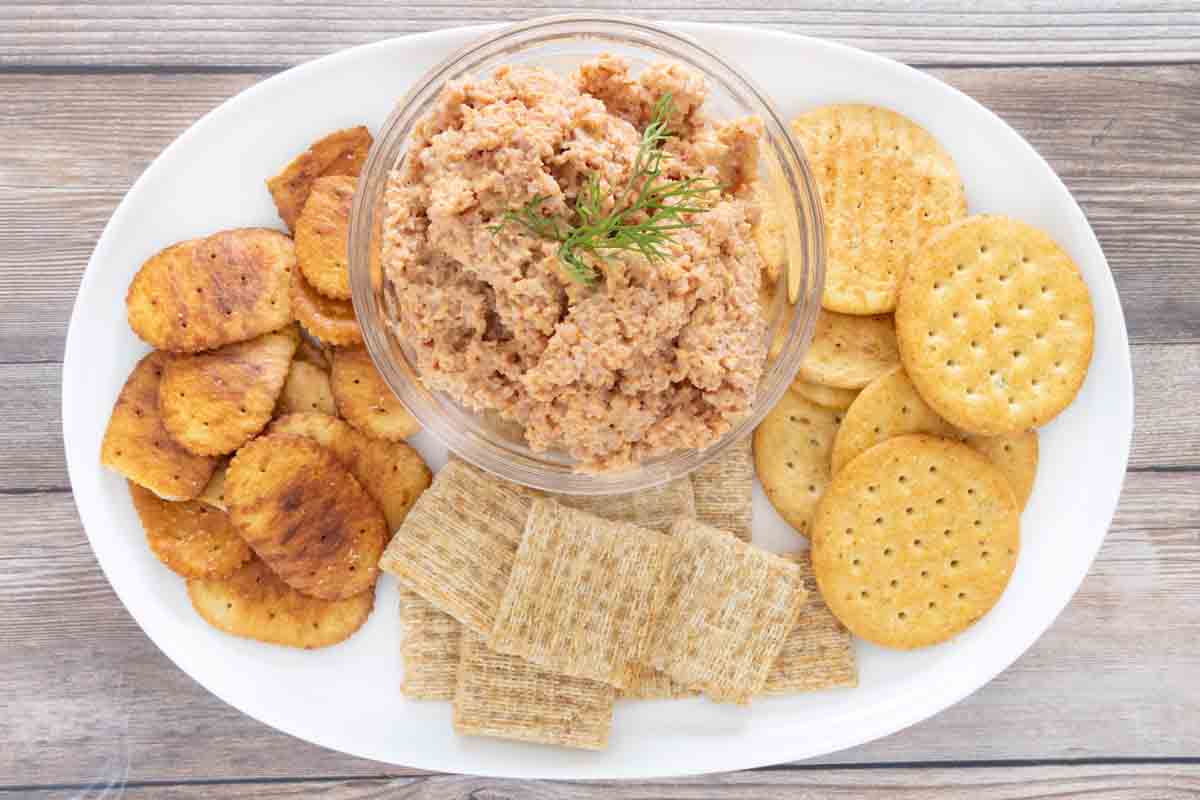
1115 674
188 33
1125 140
1099 782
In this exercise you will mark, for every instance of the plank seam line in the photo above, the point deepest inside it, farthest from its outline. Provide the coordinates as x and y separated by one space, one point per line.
858 767
19 491
247 69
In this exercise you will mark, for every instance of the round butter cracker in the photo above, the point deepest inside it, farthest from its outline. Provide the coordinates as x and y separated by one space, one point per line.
995 326
914 541
849 352
791 455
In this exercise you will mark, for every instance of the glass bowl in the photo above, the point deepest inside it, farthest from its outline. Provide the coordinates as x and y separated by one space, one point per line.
561 43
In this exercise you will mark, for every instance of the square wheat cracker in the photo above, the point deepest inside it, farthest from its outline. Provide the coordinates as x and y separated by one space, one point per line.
583 593
457 544
731 608
430 647
724 490
507 697
656 508
818 653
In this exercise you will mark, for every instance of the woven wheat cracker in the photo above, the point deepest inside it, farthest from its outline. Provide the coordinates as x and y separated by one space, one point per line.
216 401
582 594
818 652
340 153
655 508
886 184
995 326
849 352
647 683
430 644
457 544
506 697
891 407
791 454
825 396
306 389
365 400
725 491
190 538
137 444
730 607
915 540
322 235
330 320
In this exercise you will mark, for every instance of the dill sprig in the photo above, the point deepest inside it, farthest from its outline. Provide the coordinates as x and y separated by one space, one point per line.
644 216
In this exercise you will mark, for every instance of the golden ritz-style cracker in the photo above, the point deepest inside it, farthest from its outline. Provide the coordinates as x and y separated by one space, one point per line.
915 540
792 447
340 153
849 352
365 400
995 326
322 235
582 594
825 396
189 537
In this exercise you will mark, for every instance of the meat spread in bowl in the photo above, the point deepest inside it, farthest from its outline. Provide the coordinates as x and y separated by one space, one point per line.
576 255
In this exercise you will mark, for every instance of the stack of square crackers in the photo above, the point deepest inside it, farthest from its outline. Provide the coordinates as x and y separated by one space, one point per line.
534 614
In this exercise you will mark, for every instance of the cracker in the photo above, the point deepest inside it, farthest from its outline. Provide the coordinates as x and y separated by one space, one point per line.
506 697
430 647
725 491
137 445
310 352
306 389
205 293
730 608
891 407
393 473
306 516
769 235
213 495
322 236
254 603
190 538
648 683
792 446
886 185
818 653
656 508
825 396
457 545
214 402
995 326
365 400
340 153
849 352
582 593
332 321
915 540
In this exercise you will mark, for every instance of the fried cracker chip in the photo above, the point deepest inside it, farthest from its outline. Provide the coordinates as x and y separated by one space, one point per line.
457 545
725 491
582 594
506 697
193 540
731 606
310 352
137 445
391 472
818 653
205 293
322 235
365 400
254 603
430 645
306 389
340 153
306 516
332 321
656 508
214 402
213 495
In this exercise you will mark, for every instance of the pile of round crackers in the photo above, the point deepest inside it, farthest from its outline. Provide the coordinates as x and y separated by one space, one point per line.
265 458
907 446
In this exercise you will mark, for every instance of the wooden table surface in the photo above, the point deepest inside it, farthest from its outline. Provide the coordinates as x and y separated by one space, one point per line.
1106 704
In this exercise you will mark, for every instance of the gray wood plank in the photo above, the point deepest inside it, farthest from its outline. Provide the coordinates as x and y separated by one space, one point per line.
1125 140
87 695
218 33
1100 782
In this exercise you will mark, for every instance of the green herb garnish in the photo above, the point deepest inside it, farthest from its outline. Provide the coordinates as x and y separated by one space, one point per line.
645 214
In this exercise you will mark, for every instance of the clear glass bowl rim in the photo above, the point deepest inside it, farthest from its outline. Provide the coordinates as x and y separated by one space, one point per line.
460 430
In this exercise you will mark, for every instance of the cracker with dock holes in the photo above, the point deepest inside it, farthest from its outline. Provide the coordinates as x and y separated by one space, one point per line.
306 389
430 647
340 153
330 320
322 239
826 396
213 495
849 352
792 447
190 538
506 697
365 400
